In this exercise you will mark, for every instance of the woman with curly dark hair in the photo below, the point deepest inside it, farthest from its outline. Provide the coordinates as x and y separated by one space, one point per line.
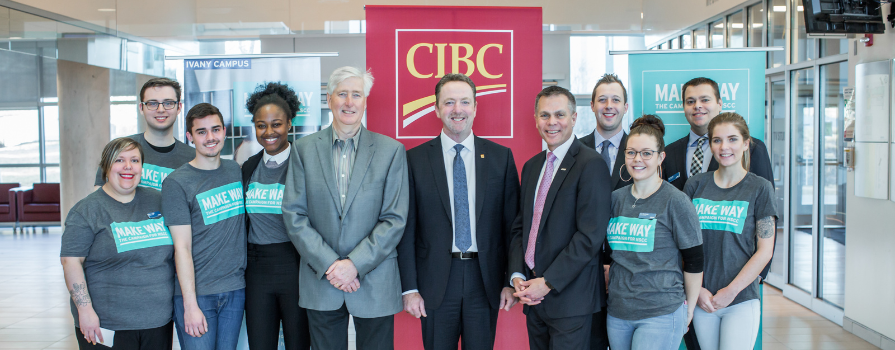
272 267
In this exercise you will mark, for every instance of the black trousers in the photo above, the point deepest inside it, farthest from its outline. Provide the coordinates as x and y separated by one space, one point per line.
599 338
272 297
567 333
464 310
160 338
329 331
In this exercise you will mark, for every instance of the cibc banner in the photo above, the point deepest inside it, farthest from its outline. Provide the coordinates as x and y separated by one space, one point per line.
409 48
657 77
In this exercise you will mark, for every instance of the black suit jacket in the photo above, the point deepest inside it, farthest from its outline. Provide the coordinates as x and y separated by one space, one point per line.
676 163
424 254
617 182
248 168
571 232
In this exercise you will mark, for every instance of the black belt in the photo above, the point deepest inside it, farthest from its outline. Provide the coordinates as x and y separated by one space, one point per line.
465 256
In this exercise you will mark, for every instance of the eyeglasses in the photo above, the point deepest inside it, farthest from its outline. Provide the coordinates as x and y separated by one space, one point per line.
153 105
645 154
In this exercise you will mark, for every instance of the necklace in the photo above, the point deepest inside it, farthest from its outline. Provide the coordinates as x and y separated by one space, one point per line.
635 203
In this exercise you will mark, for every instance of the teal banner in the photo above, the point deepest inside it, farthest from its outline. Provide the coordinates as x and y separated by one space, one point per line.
264 198
727 216
630 234
220 203
138 235
657 78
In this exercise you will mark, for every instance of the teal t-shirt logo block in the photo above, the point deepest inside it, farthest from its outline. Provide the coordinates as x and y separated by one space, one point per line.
727 216
138 235
264 199
221 203
630 234
154 175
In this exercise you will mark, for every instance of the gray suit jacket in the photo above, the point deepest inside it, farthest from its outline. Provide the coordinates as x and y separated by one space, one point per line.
367 230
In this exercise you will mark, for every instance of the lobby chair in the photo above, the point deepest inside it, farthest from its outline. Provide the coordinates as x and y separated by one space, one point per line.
39 206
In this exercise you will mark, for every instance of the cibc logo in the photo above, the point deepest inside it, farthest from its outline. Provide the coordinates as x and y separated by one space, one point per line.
426 55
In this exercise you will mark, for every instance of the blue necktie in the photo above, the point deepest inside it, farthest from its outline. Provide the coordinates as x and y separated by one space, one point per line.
605 153
462 236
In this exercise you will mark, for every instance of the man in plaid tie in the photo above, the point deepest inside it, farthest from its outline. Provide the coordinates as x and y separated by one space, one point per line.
555 264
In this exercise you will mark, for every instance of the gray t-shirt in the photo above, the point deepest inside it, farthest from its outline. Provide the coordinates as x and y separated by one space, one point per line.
727 217
156 166
211 202
646 278
264 201
129 265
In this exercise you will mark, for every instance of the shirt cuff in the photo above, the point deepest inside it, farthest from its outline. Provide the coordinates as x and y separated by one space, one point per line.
516 275
410 291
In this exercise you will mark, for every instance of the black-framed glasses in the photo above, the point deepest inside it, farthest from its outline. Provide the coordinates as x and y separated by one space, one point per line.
153 105
645 154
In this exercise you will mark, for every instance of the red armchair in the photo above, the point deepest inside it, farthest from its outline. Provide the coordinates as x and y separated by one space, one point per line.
8 203
39 206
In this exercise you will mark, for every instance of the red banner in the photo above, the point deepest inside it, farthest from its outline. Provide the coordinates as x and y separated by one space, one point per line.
409 48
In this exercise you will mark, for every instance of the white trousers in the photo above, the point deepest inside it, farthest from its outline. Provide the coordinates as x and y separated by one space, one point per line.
731 328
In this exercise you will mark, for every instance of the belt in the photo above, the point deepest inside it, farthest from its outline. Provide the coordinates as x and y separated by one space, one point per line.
465 256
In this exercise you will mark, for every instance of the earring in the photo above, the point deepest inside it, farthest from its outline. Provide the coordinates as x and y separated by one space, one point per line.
624 167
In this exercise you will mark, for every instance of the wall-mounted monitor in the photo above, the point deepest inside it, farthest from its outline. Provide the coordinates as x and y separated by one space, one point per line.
843 17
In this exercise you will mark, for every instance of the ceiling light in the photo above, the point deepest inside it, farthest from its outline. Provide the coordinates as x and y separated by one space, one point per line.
779 8
800 9
15 37
106 10
736 25
719 25
757 25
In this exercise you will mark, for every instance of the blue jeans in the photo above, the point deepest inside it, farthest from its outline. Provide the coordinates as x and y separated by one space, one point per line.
223 313
655 333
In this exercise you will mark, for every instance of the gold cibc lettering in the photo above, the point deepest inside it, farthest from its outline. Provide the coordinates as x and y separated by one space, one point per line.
480 60
410 55
456 58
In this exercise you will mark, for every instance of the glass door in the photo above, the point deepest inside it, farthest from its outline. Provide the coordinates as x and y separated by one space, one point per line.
802 177
776 141
831 264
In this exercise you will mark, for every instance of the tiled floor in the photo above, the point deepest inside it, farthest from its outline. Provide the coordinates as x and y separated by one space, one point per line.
34 311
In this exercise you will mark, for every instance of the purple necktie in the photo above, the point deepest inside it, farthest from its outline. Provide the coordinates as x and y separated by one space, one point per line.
544 187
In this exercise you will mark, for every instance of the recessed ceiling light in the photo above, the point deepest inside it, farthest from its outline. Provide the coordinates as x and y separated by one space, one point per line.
106 10
779 8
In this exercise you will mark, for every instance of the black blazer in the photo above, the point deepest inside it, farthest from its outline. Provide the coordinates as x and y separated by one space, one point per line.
424 254
617 182
572 230
676 163
248 168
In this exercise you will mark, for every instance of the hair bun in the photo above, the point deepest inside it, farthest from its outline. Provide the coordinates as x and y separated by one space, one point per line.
650 120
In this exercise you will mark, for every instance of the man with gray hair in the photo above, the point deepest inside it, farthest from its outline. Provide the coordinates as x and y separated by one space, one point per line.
357 182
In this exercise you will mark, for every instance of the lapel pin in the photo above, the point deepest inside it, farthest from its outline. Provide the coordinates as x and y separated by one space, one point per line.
482 155
563 169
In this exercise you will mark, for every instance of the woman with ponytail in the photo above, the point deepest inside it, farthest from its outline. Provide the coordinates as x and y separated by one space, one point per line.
657 256
737 214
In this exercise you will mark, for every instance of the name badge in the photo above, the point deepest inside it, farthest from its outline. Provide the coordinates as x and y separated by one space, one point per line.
648 216
674 177
154 215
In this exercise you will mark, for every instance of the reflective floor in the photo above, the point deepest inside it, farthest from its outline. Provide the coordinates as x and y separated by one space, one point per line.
34 311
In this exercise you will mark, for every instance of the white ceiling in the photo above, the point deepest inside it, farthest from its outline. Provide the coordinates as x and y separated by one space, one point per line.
180 22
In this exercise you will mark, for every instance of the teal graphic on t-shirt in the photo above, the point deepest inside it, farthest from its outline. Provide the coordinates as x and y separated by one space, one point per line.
138 235
264 199
727 216
154 175
222 202
630 234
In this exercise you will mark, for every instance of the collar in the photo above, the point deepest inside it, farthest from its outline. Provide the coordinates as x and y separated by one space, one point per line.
280 158
447 143
560 152
356 137
614 140
694 138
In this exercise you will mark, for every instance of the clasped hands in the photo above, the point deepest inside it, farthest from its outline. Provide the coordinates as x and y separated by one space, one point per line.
416 306
530 292
342 274
711 303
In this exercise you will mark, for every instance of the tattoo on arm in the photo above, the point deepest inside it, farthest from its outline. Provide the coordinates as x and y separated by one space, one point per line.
79 294
764 228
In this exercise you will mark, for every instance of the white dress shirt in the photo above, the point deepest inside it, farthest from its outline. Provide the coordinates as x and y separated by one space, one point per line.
691 148
560 153
614 143
280 158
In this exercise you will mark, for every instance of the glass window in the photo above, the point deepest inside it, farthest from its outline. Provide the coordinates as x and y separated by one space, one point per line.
834 78
756 24
699 38
776 37
802 47
19 137
662 46
586 122
51 134
735 30
686 41
587 62
123 120
18 78
26 176
717 34
675 43
802 178
830 47
53 174
777 147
